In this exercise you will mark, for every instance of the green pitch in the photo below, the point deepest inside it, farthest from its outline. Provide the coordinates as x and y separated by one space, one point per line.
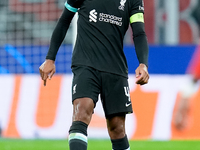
8 144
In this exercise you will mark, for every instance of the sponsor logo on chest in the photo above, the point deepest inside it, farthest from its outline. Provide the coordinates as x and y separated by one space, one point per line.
94 16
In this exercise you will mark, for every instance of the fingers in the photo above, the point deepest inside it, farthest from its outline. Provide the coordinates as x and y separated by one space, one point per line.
51 74
41 72
45 82
47 70
42 76
142 80
146 79
142 75
48 76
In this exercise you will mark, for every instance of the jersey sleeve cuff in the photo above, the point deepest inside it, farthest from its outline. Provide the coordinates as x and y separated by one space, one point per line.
70 8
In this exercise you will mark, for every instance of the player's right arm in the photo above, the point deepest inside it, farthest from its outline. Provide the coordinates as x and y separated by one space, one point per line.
47 69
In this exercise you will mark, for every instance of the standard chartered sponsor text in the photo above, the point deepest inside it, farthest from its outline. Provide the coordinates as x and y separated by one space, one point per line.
110 19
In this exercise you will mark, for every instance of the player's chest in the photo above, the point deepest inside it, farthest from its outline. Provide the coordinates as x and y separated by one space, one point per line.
110 7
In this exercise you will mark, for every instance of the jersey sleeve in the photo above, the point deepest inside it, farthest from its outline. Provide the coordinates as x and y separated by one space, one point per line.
136 11
71 7
139 35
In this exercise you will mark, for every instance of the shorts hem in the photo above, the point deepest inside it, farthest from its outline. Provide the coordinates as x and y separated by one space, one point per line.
116 113
85 97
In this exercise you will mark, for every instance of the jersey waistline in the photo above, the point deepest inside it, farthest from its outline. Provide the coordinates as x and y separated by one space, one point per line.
101 70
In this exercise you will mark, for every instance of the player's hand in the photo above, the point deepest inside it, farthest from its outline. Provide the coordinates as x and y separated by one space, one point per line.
142 75
47 70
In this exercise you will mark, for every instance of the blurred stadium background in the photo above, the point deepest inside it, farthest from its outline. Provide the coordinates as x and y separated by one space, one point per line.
28 110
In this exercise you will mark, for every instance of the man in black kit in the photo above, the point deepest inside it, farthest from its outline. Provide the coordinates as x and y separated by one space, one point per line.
99 65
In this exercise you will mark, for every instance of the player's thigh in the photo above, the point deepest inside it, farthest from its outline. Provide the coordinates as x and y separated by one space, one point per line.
83 109
85 91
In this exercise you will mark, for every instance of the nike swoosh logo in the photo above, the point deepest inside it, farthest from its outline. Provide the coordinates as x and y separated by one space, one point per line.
128 104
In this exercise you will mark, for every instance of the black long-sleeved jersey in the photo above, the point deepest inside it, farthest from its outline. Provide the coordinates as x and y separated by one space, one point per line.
102 25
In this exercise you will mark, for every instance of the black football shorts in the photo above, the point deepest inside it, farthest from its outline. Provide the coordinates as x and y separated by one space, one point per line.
113 89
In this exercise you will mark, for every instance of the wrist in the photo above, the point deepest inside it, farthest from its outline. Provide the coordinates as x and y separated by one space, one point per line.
50 61
143 65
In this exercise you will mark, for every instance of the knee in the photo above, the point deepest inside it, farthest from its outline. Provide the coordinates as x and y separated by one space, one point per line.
81 114
116 131
116 127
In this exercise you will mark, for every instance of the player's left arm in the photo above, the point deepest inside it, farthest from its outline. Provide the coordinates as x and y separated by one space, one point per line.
141 47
